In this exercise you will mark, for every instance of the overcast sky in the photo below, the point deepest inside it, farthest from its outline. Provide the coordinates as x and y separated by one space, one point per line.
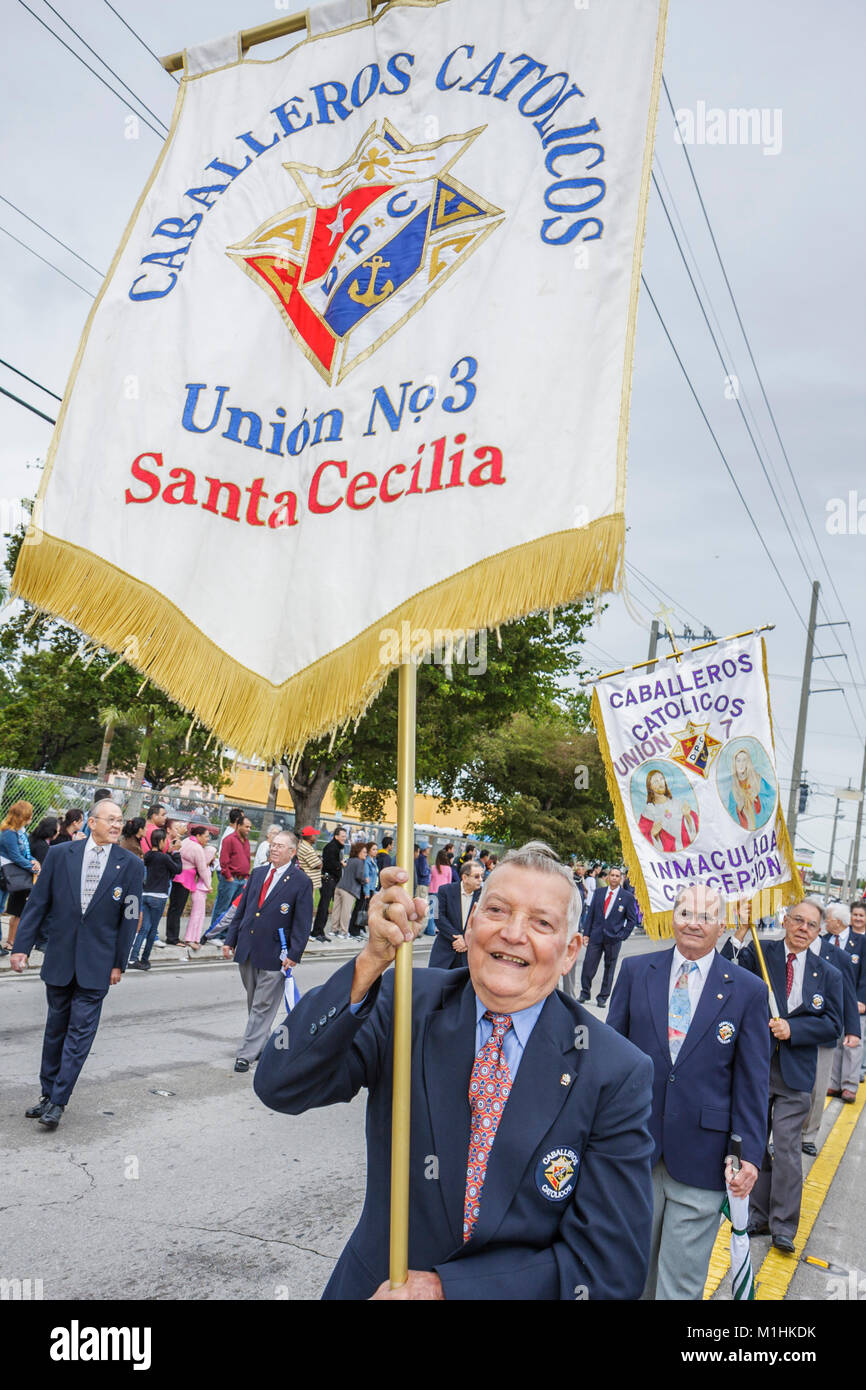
789 224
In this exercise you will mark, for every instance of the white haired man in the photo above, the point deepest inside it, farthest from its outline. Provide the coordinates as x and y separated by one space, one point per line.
529 1174
808 994
267 934
844 1074
703 1023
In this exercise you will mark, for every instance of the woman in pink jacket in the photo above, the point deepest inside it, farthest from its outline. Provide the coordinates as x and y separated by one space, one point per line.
197 877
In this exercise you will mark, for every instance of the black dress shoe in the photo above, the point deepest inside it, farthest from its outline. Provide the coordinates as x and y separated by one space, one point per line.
241 1064
51 1115
784 1243
601 1003
809 1148
37 1111
757 1230
583 999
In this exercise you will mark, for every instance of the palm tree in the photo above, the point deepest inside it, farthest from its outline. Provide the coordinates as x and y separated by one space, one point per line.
110 716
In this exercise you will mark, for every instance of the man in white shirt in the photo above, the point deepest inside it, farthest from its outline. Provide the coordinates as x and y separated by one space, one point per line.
704 1024
808 997
267 935
87 899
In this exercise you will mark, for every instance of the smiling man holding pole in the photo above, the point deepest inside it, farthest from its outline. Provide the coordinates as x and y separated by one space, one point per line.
529 1173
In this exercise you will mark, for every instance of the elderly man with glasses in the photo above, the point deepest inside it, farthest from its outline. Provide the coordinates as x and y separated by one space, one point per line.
86 902
808 993
703 1023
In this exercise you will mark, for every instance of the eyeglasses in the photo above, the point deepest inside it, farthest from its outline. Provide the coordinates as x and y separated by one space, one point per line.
799 921
683 919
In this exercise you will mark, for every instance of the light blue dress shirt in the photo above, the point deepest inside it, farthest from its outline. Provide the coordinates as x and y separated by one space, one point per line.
522 1023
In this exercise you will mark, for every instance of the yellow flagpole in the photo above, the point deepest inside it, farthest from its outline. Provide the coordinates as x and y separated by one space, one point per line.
774 1008
401 1098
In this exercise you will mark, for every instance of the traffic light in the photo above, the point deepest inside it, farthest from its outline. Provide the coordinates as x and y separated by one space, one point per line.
804 797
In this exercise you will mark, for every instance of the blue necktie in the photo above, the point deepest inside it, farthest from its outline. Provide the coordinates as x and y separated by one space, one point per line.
680 1012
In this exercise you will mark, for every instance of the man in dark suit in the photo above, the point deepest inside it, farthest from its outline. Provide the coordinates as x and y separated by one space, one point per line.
808 997
332 872
704 1024
267 935
529 1172
840 940
611 919
86 903
456 901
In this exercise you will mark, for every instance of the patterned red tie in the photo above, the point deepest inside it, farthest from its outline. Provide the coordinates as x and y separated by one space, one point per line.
265 886
607 901
789 974
489 1089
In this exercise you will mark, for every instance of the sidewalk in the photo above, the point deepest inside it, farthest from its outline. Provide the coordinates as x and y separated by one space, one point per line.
211 953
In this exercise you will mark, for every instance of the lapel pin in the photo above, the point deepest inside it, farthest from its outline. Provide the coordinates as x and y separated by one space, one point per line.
720 996
565 1079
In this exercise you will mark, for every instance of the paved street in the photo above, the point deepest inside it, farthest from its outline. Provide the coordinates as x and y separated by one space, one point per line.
202 1192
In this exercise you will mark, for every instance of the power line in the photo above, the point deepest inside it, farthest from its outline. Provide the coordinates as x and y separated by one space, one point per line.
101 60
97 75
50 263
773 491
27 405
140 40
722 454
32 381
769 408
720 330
27 218
652 585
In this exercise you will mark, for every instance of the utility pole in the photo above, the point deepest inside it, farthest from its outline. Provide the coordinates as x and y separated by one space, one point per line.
832 848
858 827
797 769
846 882
653 648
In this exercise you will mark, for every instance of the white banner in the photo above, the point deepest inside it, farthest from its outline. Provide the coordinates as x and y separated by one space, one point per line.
363 356
691 766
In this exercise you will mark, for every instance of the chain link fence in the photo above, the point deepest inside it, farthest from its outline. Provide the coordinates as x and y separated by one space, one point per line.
50 794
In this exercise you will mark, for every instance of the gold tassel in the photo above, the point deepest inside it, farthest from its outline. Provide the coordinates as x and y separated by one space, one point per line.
248 712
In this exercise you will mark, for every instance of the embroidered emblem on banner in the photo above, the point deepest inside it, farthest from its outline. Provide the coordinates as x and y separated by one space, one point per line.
695 748
555 1174
371 242
725 1031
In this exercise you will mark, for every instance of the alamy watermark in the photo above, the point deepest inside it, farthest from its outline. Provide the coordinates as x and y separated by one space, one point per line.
712 125
444 646
846 516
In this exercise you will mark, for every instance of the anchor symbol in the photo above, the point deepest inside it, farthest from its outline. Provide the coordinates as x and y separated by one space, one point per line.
370 296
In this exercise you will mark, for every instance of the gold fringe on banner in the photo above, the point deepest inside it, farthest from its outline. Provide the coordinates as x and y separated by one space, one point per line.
251 714
658 924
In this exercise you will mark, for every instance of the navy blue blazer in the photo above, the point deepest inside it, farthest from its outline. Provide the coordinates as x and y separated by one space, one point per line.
833 955
855 948
719 1084
255 933
449 924
818 1020
86 946
620 921
567 1200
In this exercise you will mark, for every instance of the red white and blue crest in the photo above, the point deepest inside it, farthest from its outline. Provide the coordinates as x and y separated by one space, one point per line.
371 242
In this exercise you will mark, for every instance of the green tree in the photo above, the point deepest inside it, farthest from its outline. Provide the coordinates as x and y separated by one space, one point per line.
57 693
543 778
526 668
